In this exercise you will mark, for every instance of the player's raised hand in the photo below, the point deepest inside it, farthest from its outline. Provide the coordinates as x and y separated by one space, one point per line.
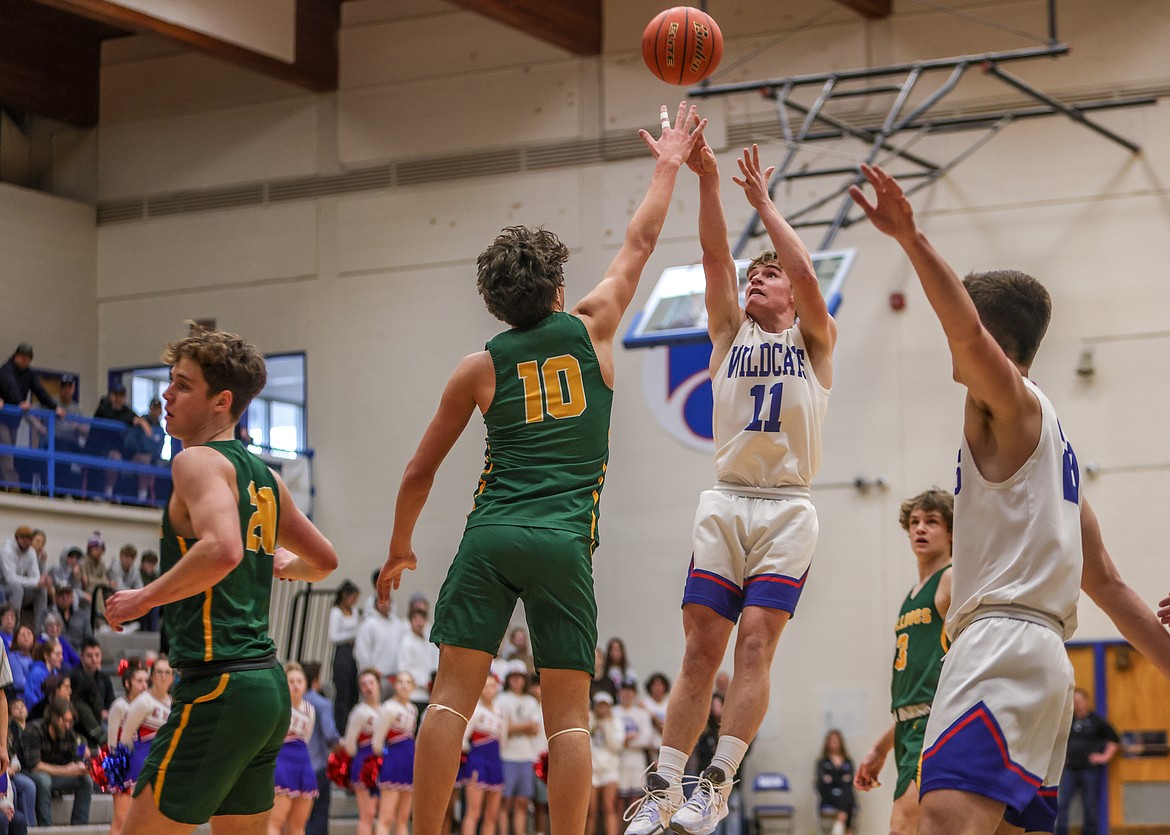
702 159
868 770
892 215
1164 611
390 577
755 180
676 142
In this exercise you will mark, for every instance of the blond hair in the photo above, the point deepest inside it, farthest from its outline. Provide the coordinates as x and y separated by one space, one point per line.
763 258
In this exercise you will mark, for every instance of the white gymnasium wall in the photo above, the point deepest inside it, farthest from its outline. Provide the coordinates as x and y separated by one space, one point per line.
378 289
48 278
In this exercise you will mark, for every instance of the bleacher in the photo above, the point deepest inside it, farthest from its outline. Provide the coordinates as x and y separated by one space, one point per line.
342 820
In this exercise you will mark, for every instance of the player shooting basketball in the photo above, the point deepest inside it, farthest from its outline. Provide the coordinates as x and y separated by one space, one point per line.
755 532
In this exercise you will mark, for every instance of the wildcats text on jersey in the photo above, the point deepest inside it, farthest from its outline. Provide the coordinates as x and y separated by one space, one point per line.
771 359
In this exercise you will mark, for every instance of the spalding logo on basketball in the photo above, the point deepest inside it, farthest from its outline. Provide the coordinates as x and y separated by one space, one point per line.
682 45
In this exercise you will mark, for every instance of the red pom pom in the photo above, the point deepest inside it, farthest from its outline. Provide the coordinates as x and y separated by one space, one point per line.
541 766
370 769
97 773
337 768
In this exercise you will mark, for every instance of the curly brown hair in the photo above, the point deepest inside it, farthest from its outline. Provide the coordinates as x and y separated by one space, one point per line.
520 274
1014 307
228 363
933 500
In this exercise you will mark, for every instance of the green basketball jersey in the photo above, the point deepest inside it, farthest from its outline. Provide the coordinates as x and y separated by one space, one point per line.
547 430
228 621
921 644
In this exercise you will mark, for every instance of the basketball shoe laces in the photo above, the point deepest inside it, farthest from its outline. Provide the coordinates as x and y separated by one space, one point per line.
652 804
707 804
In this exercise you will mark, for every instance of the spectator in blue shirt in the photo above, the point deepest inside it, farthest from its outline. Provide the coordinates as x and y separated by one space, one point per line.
324 740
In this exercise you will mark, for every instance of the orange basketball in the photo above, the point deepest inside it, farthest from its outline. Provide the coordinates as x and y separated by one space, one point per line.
682 45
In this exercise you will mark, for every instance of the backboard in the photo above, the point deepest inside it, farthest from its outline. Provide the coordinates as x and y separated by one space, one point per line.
675 311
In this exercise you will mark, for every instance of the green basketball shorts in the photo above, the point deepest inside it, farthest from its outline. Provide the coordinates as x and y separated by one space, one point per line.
217 753
550 570
908 739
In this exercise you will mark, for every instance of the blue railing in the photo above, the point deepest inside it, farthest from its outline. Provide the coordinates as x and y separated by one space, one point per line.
81 467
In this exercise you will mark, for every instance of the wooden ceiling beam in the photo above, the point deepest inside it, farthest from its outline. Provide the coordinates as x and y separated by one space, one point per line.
873 9
50 62
574 25
316 52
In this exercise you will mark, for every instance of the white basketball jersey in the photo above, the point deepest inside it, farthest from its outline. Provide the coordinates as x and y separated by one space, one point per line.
768 411
1018 542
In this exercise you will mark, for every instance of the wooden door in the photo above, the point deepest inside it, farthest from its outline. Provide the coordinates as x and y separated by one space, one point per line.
1138 700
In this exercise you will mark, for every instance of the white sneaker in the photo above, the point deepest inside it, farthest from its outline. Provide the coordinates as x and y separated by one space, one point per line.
651 814
707 806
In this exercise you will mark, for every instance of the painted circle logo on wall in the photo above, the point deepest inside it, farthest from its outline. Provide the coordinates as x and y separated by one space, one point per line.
677 385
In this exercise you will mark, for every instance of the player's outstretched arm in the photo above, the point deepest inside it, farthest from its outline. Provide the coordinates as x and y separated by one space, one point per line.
1129 613
820 332
992 380
303 553
204 484
871 764
724 315
603 307
470 384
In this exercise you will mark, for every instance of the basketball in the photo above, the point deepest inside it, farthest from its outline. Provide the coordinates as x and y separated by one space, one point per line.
682 45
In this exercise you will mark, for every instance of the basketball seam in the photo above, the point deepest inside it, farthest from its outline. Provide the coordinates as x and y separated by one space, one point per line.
657 40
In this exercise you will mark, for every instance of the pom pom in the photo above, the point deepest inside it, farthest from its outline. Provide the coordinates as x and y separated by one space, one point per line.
369 775
337 768
116 766
97 773
541 766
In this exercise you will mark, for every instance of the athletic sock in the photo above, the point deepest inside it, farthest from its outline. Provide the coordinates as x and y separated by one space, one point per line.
729 753
671 763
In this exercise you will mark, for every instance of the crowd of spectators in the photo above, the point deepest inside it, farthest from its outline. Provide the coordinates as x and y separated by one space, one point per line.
67 599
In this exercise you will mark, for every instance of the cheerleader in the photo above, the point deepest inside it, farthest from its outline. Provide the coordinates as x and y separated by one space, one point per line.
394 737
482 775
148 713
135 680
359 734
296 782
